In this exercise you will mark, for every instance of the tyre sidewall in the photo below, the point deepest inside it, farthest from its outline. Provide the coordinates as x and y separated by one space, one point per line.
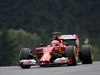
87 54
71 52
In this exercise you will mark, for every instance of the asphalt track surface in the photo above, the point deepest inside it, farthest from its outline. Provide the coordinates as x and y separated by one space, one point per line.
80 69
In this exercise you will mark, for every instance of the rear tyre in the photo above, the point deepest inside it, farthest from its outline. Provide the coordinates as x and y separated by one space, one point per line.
86 54
24 54
71 52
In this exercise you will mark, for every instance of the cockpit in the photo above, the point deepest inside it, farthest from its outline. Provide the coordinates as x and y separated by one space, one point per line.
55 43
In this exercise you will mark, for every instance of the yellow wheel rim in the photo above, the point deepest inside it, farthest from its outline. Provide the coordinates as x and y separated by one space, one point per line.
75 55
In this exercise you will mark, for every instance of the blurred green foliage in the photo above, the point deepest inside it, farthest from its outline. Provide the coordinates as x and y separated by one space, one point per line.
26 23
11 42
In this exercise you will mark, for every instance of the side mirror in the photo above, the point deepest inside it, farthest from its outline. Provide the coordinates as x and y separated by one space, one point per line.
42 44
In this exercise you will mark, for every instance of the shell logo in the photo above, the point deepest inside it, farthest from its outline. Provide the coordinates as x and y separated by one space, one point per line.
22 60
46 53
59 49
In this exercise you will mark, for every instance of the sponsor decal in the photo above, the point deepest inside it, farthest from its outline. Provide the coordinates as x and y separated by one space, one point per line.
29 61
56 48
46 53
48 49
67 37
22 60
61 60
59 49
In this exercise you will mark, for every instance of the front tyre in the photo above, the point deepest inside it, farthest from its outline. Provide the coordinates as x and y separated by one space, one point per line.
24 54
86 54
71 52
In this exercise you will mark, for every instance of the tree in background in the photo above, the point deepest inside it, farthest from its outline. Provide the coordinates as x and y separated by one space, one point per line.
7 46
11 42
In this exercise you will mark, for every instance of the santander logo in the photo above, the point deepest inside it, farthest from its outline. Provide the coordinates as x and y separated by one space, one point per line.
29 61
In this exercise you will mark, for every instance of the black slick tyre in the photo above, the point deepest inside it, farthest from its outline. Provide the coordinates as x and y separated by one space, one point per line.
86 54
71 52
24 54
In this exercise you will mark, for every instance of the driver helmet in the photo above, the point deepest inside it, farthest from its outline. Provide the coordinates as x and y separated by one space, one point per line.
54 43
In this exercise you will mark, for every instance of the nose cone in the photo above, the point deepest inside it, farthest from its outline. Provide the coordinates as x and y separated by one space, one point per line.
46 56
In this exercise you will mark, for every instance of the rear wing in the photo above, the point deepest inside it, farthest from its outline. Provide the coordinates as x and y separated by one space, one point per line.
70 37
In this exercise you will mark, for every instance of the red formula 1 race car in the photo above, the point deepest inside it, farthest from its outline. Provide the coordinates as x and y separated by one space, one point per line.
64 49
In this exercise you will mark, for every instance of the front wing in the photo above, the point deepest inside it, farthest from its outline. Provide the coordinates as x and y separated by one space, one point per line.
62 60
